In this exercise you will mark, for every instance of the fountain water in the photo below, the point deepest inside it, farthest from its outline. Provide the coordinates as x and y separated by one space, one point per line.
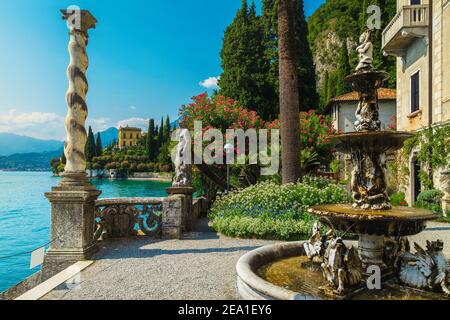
332 269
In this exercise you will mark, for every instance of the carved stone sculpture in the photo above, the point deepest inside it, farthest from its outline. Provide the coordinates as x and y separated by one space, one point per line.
369 182
342 267
365 51
367 113
183 173
76 93
426 269
316 246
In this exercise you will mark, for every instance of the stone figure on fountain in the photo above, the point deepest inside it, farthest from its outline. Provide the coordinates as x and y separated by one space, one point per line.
365 51
342 266
426 269
317 244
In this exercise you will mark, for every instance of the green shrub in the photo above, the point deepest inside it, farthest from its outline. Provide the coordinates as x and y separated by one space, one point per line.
431 200
399 200
272 211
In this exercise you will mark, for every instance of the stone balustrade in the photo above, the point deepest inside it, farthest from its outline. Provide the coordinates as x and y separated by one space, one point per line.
152 217
128 217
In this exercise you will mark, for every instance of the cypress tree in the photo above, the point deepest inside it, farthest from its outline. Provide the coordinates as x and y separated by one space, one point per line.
167 130
343 71
151 144
325 85
90 146
308 96
270 25
161 135
98 146
331 86
245 66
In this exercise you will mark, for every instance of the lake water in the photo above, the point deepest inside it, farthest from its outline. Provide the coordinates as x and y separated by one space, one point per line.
25 215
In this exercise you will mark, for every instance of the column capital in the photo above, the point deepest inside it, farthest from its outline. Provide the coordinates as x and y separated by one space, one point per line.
81 20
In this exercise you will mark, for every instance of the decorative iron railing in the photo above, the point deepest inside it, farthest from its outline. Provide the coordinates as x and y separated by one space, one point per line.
128 217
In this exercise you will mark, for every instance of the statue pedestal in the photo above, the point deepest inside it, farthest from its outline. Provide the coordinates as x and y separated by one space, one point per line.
186 195
72 224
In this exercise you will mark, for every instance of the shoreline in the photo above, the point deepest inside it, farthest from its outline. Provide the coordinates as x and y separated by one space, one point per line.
147 179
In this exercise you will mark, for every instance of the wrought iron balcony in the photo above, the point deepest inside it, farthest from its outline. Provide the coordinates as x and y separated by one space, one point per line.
410 23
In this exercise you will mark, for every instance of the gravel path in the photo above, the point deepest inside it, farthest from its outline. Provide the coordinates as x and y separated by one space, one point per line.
200 267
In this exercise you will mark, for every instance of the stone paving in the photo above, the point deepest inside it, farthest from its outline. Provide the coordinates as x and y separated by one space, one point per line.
200 267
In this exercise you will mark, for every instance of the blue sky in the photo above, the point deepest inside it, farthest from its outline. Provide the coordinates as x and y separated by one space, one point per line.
147 58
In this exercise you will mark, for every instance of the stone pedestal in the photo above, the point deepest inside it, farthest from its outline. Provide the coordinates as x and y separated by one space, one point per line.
172 219
185 194
72 224
371 250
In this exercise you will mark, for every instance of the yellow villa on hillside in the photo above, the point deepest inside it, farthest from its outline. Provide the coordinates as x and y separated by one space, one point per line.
419 36
129 137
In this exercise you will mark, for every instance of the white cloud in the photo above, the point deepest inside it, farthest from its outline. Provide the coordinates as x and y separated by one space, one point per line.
134 122
39 125
100 124
211 83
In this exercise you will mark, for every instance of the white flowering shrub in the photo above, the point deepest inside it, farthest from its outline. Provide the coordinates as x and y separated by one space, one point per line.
269 210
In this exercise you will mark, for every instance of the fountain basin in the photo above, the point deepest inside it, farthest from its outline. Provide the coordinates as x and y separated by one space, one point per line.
253 287
371 141
399 221
276 272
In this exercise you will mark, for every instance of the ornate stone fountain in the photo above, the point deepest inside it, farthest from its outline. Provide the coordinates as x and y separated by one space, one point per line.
383 249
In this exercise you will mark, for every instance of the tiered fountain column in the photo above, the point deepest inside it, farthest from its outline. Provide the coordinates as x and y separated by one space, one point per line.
371 215
73 202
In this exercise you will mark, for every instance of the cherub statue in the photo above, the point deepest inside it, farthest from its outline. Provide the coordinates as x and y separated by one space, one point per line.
316 246
365 51
342 266
427 269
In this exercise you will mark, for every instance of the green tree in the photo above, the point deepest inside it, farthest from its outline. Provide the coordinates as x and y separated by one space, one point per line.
161 135
331 86
325 96
167 130
244 63
308 96
98 146
343 71
90 146
151 143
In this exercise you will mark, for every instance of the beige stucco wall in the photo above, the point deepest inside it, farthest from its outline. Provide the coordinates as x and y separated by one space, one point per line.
446 61
417 58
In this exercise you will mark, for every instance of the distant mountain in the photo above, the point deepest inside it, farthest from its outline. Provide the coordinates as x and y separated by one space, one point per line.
13 144
29 161
108 136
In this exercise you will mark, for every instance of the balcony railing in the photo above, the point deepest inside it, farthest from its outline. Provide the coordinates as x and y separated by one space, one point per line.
410 22
128 217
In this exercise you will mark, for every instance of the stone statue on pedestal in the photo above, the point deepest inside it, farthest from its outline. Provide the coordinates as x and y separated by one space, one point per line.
183 171
365 51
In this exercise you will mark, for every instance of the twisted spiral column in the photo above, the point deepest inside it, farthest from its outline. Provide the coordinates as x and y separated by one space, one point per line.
77 110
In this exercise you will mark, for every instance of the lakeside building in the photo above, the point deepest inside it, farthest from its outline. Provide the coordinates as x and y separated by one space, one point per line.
129 137
419 36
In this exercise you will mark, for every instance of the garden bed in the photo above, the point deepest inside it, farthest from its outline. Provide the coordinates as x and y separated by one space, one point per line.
272 211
